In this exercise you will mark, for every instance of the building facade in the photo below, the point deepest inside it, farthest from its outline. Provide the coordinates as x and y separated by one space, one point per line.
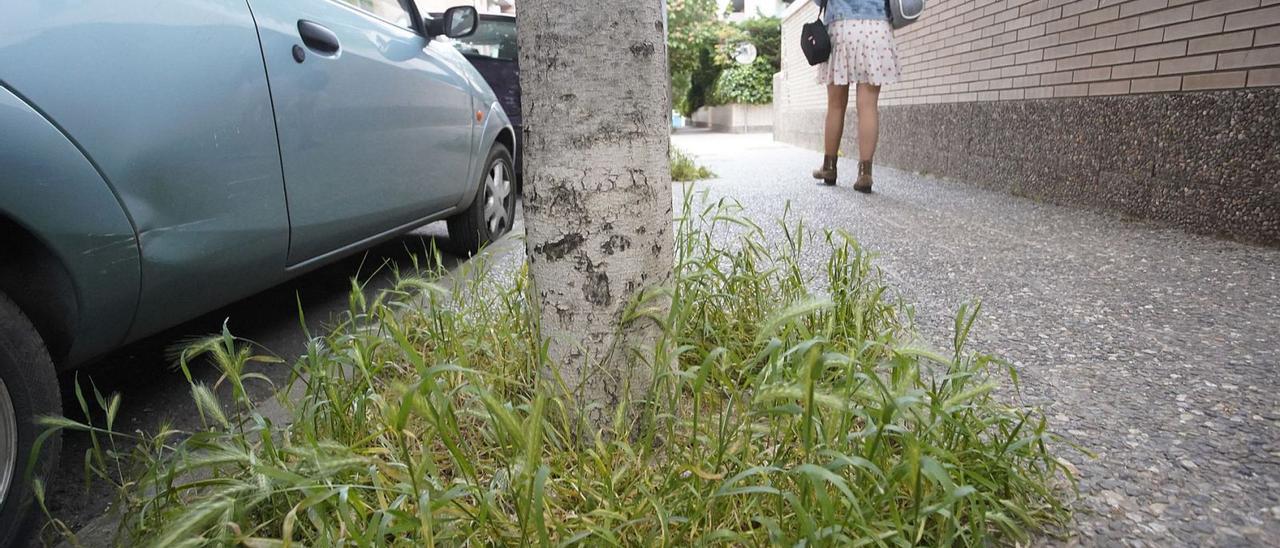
1160 109
739 10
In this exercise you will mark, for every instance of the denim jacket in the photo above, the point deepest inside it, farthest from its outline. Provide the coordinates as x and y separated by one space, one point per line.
854 9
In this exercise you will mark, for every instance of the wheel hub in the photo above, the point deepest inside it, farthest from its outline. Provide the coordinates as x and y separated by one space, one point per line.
497 193
8 442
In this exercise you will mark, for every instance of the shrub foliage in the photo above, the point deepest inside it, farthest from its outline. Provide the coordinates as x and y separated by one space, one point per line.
793 404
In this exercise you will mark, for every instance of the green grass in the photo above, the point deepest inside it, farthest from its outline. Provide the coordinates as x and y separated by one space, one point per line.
684 169
782 417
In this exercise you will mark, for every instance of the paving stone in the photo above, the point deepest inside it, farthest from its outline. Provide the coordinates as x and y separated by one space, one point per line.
1141 343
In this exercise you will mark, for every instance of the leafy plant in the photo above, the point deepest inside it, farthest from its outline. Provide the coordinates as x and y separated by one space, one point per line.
684 169
750 84
795 405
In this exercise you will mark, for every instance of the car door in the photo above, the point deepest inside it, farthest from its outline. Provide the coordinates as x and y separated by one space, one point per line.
374 125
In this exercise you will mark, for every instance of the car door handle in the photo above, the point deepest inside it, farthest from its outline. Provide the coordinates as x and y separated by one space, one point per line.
318 38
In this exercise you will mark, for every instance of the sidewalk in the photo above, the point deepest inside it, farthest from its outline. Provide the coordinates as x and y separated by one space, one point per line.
1156 349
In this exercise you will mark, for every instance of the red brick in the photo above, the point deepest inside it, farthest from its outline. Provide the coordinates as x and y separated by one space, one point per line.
1060 51
1079 6
1219 7
1042 67
1112 57
1032 7
1217 80
1155 85
1109 88
1046 16
1038 93
1026 81
1055 78
1252 19
1100 44
1221 42
1029 57
1165 17
1076 35
1150 36
1257 57
1201 63
1264 77
1072 90
1044 42
1091 75
1135 70
1161 51
1073 63
1194 28
1117 27
1099 16
1141 6
1267 36
1031 32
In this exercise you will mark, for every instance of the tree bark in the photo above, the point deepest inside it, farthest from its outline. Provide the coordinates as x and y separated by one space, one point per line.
597 187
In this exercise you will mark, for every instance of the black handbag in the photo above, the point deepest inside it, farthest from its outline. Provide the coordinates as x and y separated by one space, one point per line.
814 40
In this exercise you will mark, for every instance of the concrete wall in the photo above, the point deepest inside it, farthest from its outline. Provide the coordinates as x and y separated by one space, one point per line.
735 118
1159 109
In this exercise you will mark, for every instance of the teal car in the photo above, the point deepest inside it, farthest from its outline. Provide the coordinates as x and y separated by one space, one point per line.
159 159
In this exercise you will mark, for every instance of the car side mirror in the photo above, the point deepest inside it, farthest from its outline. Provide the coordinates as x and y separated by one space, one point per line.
457 22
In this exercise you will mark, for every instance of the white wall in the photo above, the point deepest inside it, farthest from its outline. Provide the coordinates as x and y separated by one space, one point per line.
755 8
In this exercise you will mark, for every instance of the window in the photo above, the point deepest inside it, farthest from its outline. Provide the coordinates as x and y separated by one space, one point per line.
739 6
391 11
495 38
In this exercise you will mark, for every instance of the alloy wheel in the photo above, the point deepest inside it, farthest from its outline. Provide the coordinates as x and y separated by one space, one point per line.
497 193
8 442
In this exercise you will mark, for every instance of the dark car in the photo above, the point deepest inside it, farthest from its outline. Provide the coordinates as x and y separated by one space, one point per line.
492 50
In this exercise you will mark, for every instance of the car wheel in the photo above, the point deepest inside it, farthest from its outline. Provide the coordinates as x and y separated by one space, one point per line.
28 390
493 210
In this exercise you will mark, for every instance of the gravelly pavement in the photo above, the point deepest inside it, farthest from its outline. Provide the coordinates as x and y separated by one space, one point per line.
1157 350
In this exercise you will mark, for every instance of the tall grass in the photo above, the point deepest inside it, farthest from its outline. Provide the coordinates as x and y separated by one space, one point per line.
685 169
779 416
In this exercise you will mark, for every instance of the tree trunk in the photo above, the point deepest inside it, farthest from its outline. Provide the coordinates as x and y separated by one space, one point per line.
597 187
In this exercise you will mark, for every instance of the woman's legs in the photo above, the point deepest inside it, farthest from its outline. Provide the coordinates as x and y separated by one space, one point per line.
868 133
868 120
837 104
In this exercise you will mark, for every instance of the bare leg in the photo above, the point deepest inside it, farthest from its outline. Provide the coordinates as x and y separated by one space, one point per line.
868 121
837 103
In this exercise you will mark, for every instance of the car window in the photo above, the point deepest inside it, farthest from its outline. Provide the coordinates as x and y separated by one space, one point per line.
494 38
395 12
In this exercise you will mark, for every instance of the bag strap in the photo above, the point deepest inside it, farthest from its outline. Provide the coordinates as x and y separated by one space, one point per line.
822 8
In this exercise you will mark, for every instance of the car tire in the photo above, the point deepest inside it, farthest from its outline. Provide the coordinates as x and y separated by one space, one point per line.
28 390
493 209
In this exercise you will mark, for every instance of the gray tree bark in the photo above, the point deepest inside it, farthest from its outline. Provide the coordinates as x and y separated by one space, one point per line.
597 187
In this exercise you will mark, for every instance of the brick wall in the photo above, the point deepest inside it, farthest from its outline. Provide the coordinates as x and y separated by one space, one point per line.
987 50
1161 109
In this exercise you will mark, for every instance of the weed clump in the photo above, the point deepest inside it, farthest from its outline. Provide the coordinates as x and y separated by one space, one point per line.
779 416
685 169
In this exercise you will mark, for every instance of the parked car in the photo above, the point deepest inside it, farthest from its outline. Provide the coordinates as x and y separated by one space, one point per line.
493 50
161 159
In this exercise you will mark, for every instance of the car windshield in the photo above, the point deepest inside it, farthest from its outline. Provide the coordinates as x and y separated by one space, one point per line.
494 38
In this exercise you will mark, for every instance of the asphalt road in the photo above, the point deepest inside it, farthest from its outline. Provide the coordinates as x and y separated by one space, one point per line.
154 392
1157 350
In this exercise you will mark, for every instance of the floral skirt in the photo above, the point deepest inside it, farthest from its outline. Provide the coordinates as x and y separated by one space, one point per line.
862 51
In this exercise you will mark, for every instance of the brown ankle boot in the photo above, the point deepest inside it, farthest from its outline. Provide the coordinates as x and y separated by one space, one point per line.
864 177
828 171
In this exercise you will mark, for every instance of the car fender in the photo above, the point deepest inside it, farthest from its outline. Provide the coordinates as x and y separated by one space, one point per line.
51 189
495 121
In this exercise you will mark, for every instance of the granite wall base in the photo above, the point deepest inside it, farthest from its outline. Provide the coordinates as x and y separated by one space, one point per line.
1207 162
